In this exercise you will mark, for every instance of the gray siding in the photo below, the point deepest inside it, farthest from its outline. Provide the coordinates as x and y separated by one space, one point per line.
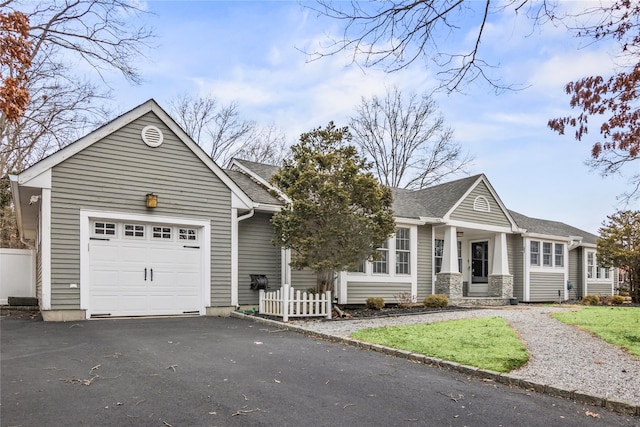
304 279
516 266
357 293
465 211
256 255
575 274
425 256
600 288
544 287
114 174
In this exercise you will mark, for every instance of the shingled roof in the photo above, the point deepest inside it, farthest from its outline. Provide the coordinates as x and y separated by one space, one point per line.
431 202
254 190
263 170
553 228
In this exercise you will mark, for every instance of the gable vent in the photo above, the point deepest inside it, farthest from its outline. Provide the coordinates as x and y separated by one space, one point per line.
152 136
481 204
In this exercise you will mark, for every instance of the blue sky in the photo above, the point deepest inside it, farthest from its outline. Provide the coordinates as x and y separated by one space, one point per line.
250 53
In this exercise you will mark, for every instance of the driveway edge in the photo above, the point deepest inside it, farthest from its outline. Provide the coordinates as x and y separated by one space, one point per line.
612 404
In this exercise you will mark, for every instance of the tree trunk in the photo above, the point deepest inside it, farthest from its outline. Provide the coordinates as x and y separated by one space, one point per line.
634 286
325 280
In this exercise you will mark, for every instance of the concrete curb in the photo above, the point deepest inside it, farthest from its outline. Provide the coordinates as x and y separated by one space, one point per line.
615 405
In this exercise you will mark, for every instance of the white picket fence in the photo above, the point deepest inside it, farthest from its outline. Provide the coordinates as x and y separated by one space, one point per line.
287 302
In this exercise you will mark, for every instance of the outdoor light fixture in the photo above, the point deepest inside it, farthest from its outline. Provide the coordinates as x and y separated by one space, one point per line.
152 200
459 234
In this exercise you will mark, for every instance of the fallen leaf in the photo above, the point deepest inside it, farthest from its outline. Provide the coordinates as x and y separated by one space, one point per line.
592 414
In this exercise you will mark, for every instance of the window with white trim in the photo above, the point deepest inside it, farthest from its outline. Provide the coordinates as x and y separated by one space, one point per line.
591 264
381 265
546 254
534 251
559 255
189 234
403 250
134 230
162 233
104 228
459 256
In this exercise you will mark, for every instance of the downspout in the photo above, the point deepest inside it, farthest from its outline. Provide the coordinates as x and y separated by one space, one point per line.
247 216
234 253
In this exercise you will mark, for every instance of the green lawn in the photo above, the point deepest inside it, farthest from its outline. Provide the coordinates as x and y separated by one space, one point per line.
487 343
616 325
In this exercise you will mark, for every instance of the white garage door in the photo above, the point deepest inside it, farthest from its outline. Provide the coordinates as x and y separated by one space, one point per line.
141 269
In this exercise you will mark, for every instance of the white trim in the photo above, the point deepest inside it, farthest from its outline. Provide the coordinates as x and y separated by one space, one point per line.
118 123
45 248
391 277
85 233
237 163
482 178
479 227
234 256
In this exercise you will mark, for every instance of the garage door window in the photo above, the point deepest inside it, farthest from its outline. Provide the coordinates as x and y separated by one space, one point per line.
188 234
104 229
133 230
162 233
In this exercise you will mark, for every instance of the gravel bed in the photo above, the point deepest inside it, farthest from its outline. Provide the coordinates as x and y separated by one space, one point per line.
559 354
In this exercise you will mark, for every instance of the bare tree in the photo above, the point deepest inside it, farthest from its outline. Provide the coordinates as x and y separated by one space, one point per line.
407 140
395 34
223 134
62 105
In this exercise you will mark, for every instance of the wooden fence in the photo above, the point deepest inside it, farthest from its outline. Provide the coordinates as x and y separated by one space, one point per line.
287 302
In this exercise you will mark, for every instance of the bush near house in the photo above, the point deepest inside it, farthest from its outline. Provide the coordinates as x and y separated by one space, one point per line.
591 300
436 301
374 303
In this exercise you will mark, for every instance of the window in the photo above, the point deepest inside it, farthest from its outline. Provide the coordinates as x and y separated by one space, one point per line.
403 250
438 250
607 273
546 254
559 258
591 264
381 265
104 228
162 232
360 268
535 253
187 234
133 230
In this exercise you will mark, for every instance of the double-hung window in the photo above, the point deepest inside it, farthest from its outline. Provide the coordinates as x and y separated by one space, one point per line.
559 255
591 264
546 254
403 250
535 252
381 265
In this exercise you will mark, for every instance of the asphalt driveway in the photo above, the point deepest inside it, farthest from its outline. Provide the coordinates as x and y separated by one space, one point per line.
205 371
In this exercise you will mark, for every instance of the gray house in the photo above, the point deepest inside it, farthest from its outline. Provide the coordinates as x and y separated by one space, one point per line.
135 219
458 238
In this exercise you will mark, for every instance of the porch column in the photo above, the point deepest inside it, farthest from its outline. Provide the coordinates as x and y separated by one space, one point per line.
449 280
500 255
450 251
500 281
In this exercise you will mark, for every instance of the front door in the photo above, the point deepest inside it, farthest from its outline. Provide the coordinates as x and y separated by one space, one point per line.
480 262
